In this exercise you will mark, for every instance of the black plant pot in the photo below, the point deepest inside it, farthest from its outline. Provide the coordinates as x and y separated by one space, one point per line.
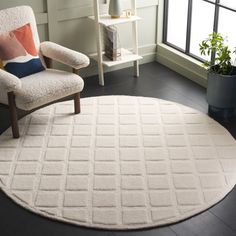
221 95
220 114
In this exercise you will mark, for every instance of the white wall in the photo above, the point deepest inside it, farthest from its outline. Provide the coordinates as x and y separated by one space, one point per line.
66 22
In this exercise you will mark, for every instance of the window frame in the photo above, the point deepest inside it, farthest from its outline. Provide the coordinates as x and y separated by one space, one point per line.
186 51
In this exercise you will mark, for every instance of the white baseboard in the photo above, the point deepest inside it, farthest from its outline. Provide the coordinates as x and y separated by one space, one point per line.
182 64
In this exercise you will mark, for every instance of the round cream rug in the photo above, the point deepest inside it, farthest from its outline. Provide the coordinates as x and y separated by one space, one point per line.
123 163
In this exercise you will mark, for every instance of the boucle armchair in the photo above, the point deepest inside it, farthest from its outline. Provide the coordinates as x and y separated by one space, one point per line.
46 87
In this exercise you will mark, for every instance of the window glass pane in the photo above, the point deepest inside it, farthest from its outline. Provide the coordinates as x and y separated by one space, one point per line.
229 3
177 22
227 20
202 24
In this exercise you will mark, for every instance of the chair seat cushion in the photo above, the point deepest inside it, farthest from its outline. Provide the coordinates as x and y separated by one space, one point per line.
47 86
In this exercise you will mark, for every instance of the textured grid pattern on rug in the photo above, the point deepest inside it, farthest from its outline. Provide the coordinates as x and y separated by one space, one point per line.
124 162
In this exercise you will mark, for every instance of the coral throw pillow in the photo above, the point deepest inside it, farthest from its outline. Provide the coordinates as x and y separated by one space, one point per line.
18 53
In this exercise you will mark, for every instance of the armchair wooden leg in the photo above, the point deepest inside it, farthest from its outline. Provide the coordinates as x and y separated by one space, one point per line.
77 103
13 115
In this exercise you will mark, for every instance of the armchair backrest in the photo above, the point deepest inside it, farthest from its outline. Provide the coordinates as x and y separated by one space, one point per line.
16 17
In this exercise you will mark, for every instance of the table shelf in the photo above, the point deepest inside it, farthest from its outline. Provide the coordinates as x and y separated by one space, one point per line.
106 20
126 56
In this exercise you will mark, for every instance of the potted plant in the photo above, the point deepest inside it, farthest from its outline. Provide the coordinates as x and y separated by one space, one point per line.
221 87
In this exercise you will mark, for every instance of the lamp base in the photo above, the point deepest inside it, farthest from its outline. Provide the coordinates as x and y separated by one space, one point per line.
115 17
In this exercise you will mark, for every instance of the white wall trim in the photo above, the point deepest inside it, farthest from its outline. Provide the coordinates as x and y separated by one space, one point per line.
182 64
145 3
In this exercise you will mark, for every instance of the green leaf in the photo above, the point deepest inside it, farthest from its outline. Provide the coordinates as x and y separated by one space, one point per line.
215 45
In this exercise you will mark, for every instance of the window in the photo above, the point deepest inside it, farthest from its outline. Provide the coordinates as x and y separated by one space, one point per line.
188 22
177 11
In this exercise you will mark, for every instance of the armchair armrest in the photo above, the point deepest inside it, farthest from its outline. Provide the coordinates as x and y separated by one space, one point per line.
64 55
9 82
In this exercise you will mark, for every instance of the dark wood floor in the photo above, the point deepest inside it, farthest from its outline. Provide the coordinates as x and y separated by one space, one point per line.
155 81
